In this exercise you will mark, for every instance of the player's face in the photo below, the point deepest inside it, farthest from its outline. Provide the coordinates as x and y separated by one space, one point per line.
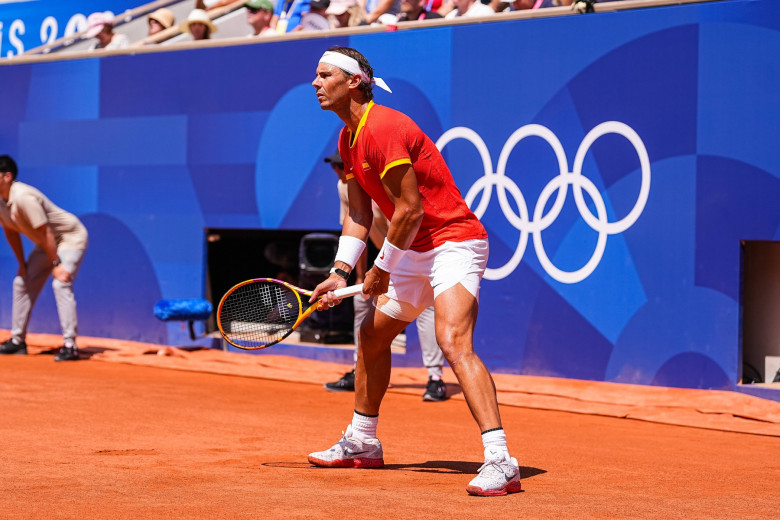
331 85
6 179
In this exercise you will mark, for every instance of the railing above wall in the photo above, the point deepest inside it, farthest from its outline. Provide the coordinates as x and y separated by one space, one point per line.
45 52
119 20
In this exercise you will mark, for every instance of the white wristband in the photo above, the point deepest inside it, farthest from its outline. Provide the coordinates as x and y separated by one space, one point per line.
350 249
388 257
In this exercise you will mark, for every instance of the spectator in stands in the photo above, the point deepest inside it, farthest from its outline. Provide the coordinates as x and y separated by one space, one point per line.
210 5
101 27
433 357
469 9
258 15
287 14
60 240
346 13
316 19
520 5
412 10
199 25
382 11
160 20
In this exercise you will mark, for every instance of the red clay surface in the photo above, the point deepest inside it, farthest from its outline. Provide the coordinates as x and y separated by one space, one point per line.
98 439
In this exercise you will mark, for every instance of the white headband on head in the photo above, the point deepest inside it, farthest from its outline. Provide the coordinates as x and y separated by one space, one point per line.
351 66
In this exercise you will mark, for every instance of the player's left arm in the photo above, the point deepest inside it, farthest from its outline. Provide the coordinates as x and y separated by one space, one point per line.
400 184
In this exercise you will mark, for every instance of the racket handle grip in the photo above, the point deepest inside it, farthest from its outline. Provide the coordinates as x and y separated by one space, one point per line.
352 290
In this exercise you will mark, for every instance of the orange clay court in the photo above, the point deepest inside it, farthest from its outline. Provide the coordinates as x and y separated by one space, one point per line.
143 431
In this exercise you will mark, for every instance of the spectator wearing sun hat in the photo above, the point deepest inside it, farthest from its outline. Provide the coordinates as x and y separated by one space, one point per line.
258 15
101 27
346 13
199 25
160 20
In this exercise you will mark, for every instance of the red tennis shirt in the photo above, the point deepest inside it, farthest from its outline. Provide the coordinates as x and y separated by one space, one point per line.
386 138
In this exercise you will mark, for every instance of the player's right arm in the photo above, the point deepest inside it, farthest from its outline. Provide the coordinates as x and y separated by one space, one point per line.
15 241
357 224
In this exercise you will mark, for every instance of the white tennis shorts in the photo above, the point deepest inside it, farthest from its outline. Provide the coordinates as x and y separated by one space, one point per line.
420 277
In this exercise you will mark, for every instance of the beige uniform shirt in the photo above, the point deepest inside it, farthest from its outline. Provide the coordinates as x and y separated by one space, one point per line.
28 209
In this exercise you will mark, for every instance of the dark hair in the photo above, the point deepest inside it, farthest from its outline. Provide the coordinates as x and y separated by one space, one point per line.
8 165
367 88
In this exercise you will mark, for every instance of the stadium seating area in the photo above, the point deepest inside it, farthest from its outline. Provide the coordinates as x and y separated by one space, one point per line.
231 20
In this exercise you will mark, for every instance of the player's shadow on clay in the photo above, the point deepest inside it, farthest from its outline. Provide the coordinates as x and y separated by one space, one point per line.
432 466
455 466
452 388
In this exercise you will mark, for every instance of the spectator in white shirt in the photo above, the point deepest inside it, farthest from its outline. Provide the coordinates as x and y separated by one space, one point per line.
101 27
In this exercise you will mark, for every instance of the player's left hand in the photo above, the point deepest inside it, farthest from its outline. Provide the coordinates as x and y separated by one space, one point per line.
377 282
62 274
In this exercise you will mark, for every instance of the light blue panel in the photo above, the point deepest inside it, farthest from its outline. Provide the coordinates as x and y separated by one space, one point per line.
167 238
290 149
609 296
77 88
678 316
225 138
182 280
73 188
701 321
432 46
104 142
147 191
736 71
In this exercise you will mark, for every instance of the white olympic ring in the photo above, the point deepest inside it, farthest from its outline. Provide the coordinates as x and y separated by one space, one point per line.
540 222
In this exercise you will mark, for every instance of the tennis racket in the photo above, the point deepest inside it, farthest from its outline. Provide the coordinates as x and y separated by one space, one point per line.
262 312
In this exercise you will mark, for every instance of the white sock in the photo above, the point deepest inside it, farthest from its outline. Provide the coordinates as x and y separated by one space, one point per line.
495 440
364 426
435 373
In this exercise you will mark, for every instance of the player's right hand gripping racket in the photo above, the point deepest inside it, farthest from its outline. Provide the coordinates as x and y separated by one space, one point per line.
262 312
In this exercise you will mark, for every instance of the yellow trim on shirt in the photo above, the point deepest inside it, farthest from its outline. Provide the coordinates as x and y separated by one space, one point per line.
393 164
353 138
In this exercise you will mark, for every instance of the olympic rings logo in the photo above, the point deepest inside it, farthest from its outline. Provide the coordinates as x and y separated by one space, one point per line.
560 183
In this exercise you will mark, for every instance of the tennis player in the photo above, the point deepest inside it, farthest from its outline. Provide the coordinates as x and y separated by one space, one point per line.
435 253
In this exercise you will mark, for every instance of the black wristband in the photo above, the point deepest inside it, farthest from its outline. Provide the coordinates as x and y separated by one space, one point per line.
56 263
340 272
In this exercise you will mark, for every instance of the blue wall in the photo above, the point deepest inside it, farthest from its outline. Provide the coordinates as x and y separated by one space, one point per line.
603 266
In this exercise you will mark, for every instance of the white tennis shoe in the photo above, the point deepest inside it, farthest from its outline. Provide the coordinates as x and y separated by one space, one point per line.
350 452
499 475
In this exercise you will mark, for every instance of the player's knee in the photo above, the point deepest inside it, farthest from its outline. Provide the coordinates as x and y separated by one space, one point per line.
19 283
60 286
456 350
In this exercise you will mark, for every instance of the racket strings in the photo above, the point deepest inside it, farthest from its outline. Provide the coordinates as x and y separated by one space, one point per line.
257 314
